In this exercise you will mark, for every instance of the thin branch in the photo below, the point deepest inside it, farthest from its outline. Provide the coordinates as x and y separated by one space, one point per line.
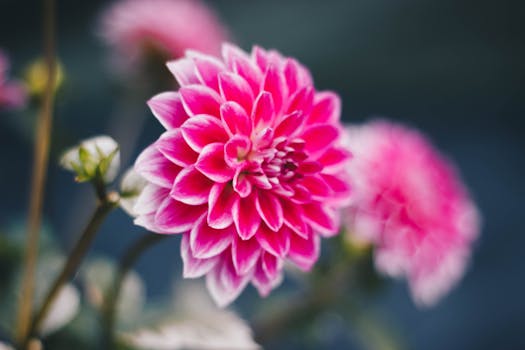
40 165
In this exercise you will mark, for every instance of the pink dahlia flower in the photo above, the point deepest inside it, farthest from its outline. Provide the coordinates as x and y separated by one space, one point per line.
12 93
249 171
170 26
409 202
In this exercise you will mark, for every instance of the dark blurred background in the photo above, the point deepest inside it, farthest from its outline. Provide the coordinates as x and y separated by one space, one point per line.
454 69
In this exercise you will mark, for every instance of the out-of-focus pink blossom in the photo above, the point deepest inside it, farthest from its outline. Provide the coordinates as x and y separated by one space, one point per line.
410 204
132 27
12 93
250 170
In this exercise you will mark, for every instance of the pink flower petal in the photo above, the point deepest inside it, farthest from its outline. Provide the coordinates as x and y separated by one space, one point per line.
224 284
319 137
184 71
150 199
211 163
260 57
262 282
322 219
341 187
245 217
200 99
243 65
236 119
296 75
234 88
275 85
173 146
207 242
317 187
302 101
193 267
168 109
327 108
191 187
156 168
176 217
277 243
221 201
241 183
271 265
207 68
304 251
270 210
293 218
290 125
236 150
334 158
245 254
201 130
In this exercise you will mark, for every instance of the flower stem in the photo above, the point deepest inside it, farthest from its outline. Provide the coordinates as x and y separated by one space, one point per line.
40 164
110 301
74 259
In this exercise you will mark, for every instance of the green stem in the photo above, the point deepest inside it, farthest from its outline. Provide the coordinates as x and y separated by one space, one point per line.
74 259
126 263
40 164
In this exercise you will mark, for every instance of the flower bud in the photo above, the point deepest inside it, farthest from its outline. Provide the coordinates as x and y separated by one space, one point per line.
97 157
130 188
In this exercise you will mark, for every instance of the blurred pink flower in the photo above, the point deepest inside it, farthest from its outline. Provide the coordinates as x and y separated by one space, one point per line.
249 170
410 203
171 26
12 93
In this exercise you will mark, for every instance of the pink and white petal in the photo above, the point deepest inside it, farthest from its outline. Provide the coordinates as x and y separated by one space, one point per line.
245 217
260 57
194 267
317 187
293 218
334 159
271 265
301 101
236 150
244 66
290 125
184 71
150 199
236 119
212 164
231 54
221 202
207 68
322 220
177 217
224 284
245 254
200 99
270 210
326 109
296 75
274 83
201 130
154 167
234 88
241 183
207 242
173 146
318 138
148 222
264 284
304 252
191 187
276 243
340 187
168 109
